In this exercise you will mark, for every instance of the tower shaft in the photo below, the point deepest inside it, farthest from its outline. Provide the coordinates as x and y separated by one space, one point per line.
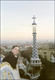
35 61
34 50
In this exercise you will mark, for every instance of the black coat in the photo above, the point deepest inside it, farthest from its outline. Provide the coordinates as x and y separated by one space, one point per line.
11 59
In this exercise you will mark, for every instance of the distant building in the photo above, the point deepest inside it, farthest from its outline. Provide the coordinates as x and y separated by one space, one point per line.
25 47
47 53
52 58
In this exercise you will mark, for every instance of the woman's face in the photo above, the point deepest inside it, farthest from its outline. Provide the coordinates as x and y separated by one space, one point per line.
15 50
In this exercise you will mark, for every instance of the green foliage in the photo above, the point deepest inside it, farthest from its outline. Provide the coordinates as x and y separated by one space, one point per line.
27 53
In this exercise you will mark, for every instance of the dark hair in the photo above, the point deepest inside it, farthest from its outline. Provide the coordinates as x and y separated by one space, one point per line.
14 46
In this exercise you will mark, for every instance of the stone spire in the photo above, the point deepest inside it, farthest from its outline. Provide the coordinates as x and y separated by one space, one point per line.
35 61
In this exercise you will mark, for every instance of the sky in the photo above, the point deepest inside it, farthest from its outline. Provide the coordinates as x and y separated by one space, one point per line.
16 20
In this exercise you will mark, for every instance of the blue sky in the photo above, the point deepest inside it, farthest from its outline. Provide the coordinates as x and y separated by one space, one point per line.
16 20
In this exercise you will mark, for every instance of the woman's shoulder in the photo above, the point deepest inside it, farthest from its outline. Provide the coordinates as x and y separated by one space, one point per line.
7 72
5 65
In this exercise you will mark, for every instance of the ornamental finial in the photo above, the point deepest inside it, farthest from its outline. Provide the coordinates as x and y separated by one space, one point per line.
34 23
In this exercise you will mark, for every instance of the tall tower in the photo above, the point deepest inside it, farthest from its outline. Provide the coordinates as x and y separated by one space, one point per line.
35 61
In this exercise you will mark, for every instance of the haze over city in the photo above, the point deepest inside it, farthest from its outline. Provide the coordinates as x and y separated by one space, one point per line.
16 20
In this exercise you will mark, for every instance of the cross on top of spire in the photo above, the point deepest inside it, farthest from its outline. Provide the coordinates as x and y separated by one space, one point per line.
34 23
33 17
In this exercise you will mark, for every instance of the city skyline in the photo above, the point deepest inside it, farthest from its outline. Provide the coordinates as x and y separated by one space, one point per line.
16 20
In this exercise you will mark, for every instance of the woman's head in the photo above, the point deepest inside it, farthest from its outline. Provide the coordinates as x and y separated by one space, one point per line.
15 50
